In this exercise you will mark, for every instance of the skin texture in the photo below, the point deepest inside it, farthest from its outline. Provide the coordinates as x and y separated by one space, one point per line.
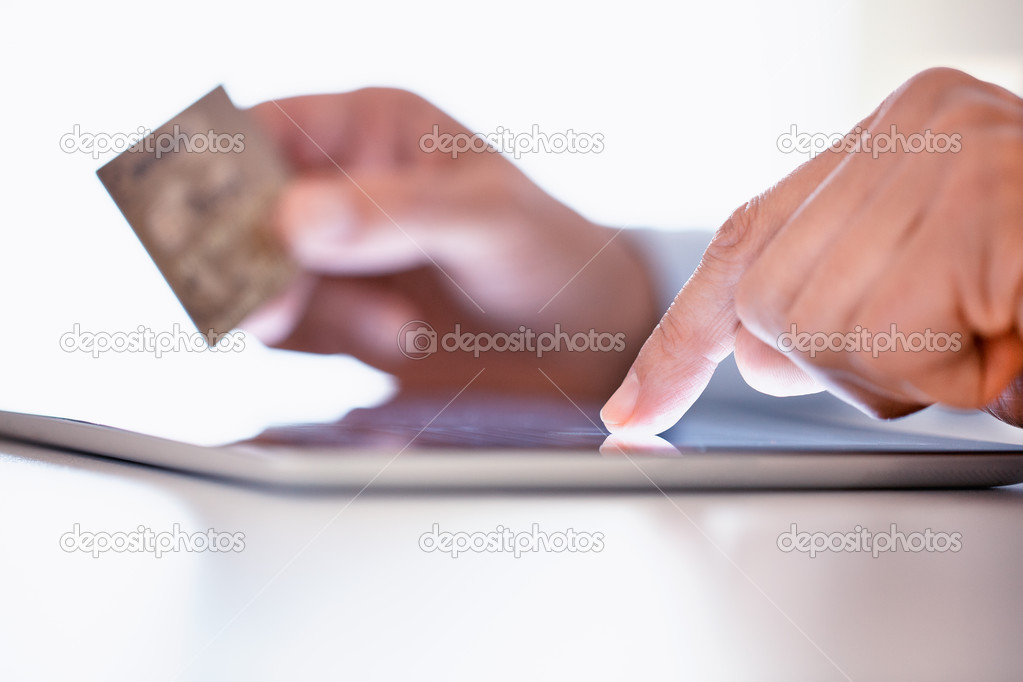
851 239
387 233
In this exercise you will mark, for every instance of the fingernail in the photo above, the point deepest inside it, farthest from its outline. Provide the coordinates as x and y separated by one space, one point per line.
622 404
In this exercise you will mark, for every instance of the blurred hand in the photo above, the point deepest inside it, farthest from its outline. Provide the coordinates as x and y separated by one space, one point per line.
854 242
387 234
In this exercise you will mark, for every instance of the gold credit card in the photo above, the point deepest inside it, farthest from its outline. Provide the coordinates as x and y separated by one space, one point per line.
199 193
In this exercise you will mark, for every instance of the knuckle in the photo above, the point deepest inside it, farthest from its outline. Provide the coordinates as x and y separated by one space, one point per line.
940 77
737 229
933 82
957 99
730 245
390 106
393 95
931 90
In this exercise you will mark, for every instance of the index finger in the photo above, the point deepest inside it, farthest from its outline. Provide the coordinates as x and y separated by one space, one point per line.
698 330
370 128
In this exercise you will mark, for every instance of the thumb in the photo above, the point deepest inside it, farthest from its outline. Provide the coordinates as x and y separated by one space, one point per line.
698 330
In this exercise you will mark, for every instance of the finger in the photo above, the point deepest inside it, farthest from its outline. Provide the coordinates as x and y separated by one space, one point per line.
910 345
933 351
1008 406
618 445
371 128
768 370
839 240
331 226
907 263
698 330
343 315
358 224
814 278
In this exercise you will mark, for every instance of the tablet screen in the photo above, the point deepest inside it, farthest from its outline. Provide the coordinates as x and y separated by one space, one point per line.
728 416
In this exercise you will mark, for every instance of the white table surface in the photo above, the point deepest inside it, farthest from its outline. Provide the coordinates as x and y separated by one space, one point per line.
688 586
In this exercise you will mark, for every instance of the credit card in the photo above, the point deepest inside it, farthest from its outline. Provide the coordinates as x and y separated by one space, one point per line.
199 193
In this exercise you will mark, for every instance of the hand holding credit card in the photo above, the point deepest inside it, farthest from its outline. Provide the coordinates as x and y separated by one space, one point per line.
345 222
199 192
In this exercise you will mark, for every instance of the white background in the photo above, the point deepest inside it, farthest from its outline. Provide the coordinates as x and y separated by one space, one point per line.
690 98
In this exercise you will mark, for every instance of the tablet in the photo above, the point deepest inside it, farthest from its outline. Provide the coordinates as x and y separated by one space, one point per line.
730 439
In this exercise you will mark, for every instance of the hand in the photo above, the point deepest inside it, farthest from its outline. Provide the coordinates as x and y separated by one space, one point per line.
387 234
854 242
